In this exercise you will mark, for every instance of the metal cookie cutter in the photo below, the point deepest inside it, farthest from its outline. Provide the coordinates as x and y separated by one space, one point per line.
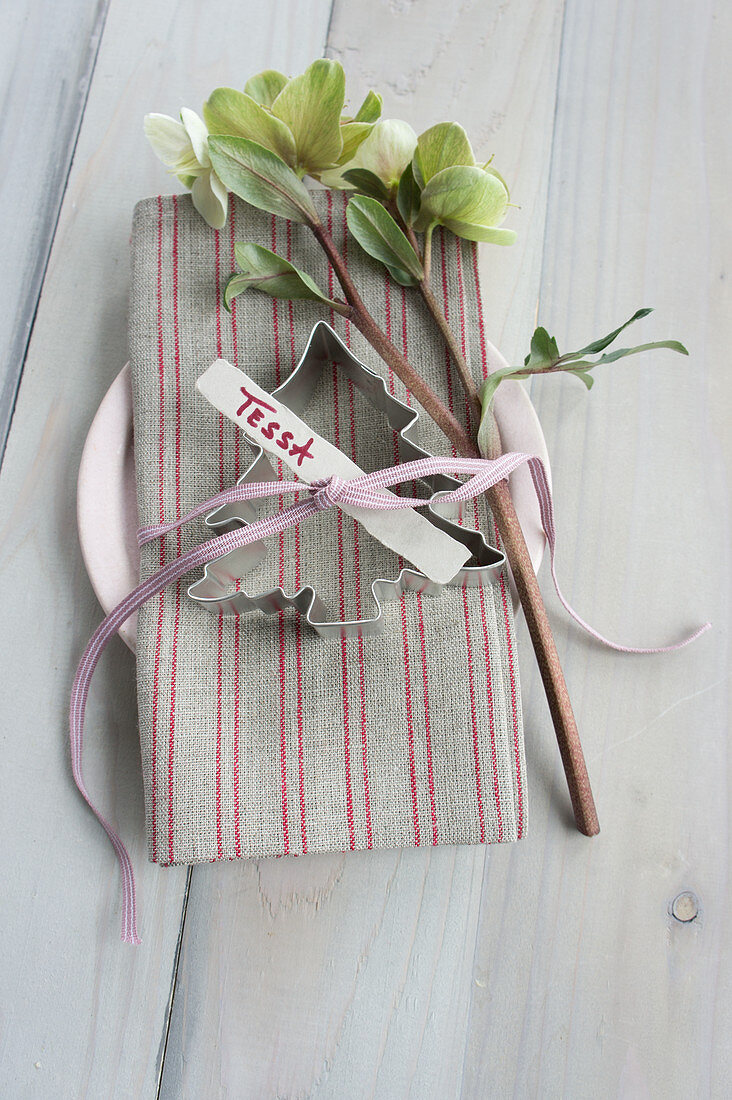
217 589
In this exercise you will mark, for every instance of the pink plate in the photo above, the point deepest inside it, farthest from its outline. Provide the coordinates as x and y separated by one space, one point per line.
106 503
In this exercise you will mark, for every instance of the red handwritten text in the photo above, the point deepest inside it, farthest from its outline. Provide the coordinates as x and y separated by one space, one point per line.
257 418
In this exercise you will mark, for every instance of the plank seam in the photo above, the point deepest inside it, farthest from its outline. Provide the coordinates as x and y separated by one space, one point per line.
11 384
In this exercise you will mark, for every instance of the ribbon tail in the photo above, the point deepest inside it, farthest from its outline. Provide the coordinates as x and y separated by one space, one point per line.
546 508
109 627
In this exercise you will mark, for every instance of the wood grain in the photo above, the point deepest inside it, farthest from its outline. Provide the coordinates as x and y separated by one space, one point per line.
615 996
555 967
47 55
85 1015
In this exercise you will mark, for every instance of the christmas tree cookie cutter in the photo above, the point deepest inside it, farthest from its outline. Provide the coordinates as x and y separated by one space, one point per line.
220 590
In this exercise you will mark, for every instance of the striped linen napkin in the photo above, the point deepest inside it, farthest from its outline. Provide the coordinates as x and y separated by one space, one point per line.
258 737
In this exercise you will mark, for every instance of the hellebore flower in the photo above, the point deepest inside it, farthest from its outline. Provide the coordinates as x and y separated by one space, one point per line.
183 148
384 153
299 119
467 198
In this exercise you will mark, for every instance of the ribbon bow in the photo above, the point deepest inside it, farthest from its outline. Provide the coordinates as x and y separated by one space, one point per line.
365 491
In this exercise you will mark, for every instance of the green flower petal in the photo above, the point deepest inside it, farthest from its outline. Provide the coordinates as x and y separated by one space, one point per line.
230 112
487 233
442 146
171 143
353 135
265 86
468 195
370 109
311 106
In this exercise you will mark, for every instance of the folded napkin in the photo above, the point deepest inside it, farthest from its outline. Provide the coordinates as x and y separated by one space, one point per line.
259 737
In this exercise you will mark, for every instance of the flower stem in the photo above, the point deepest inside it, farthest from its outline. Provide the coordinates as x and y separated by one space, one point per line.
503 509
427 253
545 649
462 368
365 323
532 602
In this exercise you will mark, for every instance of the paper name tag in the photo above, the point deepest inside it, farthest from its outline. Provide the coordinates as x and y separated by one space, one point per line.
276 429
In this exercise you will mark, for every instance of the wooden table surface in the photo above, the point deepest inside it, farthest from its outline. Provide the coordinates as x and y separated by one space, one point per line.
554 967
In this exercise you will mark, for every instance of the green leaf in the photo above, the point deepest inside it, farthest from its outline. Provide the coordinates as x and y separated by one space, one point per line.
623 353
370 109
544 358
408 196
598 345
464 196
487 392
261 178
380 236
400 276
367 183
311 105
543 351
265 86
266 271
442 146
227 111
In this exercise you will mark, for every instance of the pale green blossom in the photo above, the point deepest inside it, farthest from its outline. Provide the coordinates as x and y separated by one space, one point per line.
183 148
385 153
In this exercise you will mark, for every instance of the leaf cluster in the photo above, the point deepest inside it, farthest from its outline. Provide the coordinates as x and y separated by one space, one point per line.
544 358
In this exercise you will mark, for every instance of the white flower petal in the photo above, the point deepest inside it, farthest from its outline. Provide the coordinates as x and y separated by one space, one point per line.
196 129
210 199
168 139
387 150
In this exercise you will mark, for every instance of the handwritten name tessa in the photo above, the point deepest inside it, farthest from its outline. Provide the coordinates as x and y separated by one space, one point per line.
285 440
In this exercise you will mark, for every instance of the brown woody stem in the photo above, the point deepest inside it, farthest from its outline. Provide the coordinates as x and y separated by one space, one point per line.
545 649
365 323
503 509
462 368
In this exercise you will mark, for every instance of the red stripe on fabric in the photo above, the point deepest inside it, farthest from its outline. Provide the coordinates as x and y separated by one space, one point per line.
219 347
403 613
483 619
410 722
281 616
514 700
363 712
237 734
237 624
427 730
220 631
178 513
491 717
161 513
219 693
423 645
298 621
341 600
473 715
466 609
234 333
504 595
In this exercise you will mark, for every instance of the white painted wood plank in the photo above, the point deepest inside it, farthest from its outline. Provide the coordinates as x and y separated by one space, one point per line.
491 67
47 54
585 983
85 1015
351 976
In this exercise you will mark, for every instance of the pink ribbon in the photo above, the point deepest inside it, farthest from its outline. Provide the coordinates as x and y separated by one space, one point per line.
361 492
